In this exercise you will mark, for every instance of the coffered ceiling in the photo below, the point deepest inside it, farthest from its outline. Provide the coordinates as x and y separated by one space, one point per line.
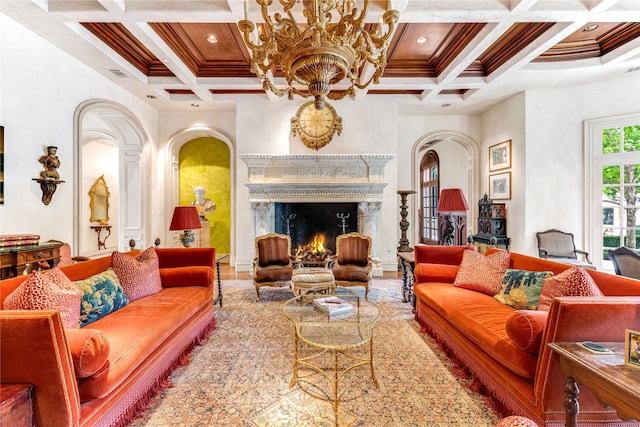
183 54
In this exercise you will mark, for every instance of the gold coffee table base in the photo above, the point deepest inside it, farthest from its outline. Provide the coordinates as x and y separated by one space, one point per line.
337 340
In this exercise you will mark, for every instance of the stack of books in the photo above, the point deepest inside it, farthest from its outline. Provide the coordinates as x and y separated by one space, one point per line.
332 305
11 240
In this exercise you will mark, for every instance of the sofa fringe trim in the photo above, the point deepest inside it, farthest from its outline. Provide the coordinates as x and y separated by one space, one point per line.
163 382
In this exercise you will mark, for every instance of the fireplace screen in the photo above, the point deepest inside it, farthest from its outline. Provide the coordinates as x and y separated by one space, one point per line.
313 227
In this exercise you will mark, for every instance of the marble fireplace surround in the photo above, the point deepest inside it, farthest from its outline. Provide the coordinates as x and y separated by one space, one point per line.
317 178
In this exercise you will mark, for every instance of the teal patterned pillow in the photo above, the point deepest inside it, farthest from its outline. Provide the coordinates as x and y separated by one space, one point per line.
101 295
521 288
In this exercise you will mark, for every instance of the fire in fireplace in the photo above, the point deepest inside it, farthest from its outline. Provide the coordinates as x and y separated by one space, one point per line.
313 227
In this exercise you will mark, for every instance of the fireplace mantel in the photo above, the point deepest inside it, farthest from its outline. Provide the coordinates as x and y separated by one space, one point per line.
316 178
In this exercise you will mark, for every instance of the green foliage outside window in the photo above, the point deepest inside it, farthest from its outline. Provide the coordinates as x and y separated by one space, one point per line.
622 181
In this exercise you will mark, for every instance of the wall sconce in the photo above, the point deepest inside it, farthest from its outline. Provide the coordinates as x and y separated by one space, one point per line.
185 218
451 200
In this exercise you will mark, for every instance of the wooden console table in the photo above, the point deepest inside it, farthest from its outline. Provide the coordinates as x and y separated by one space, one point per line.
14 260
611 381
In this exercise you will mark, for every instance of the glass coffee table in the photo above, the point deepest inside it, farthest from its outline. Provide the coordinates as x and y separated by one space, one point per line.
326 344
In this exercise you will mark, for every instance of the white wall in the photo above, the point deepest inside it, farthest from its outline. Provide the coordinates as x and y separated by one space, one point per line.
39 96
41 87
506 121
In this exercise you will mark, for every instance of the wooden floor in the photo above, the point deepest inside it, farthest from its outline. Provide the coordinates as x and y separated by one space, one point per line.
227 272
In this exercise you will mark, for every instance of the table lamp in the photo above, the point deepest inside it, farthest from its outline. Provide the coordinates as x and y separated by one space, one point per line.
451 200
185 218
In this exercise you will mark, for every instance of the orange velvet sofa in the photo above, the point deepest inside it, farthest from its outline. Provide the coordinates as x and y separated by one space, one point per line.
471 327
149 338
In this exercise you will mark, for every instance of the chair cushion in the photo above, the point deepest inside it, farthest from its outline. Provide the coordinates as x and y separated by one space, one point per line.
273 250
574 282
521 288
139 275
482 273
101 295
557 244
273 274
48 290
353 251
351 273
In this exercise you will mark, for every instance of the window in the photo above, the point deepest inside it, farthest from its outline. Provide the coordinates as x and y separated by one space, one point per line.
429 190
620 187
615 192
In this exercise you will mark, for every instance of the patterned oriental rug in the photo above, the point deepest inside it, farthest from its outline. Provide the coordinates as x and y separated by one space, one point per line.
241 375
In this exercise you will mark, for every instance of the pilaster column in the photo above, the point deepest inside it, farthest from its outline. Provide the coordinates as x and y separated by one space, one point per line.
264 217
368 213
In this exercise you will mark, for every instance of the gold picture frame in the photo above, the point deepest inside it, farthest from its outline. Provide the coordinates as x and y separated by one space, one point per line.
632 348
500 156
500 186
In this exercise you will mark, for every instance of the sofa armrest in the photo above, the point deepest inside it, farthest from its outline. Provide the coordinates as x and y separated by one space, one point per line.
187 276
451 255
428 272
575 319
186 257
34 351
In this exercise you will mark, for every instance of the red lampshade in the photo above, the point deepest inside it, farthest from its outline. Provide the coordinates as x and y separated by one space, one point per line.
452 200
185 218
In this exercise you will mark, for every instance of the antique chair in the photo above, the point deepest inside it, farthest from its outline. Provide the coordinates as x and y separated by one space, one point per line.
273 264
559 245
625 262
351 264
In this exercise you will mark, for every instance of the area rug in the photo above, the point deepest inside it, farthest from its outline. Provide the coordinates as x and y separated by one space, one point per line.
241 375
301 410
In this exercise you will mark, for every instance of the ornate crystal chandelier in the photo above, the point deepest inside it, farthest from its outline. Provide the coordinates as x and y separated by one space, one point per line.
320 53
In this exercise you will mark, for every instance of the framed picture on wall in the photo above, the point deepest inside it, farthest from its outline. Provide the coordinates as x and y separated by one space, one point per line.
500 186
500 156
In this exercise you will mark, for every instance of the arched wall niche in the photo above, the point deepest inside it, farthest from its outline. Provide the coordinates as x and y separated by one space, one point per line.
173 177
99 124
440 141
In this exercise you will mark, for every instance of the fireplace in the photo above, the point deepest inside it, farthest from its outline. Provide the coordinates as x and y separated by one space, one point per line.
276 181
308 223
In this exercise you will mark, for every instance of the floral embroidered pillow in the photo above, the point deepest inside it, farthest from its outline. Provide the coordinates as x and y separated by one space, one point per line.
101 295
521 288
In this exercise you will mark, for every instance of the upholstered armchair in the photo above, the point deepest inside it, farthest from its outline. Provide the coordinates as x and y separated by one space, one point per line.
351 264
273 264
559 246
625 262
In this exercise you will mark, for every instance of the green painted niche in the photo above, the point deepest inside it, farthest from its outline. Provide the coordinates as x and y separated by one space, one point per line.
206 162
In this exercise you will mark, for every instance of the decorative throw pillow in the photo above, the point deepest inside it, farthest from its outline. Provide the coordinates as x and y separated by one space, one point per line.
140 275
573 282
49 290
89 350
521 288
525 328
101 295
482 273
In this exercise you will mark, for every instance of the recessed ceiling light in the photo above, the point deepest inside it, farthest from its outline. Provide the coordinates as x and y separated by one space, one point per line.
151 96
212 39
422 40
590 28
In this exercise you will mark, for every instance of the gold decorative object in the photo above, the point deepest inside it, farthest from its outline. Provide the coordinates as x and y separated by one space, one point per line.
319 53
99 204
316 127
49 178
